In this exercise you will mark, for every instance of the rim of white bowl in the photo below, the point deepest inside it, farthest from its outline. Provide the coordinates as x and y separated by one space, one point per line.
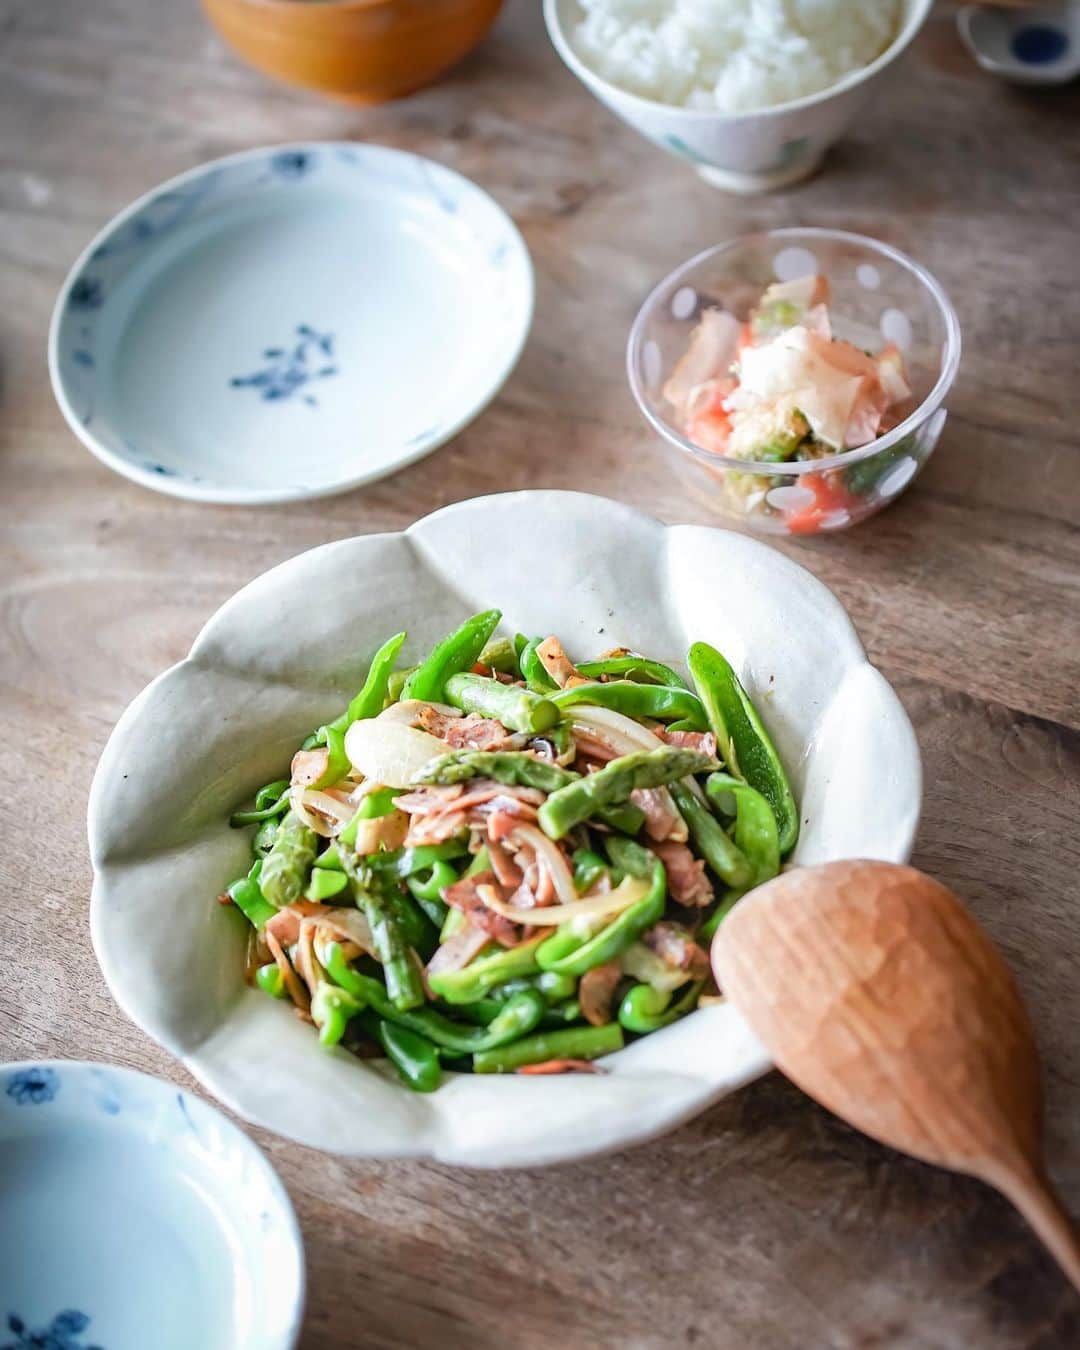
290 1334
950 356
920 11
241 496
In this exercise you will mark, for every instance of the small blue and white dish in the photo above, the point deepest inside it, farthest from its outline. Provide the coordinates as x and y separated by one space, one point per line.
1033 45
290 322
137 1218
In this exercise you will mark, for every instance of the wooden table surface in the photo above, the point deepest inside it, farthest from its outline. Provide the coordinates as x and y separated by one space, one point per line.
765 1223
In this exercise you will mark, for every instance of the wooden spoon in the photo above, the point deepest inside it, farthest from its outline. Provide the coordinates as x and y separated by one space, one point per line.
878 994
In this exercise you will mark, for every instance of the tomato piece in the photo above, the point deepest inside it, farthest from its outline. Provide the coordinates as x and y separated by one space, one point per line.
829 495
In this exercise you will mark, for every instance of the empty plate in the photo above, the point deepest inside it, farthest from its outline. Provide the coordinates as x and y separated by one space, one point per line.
137 1216
290 323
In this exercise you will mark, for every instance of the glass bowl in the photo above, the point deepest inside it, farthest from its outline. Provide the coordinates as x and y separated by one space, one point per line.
878 296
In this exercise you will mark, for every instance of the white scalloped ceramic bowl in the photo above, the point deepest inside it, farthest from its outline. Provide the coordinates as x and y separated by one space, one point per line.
286 652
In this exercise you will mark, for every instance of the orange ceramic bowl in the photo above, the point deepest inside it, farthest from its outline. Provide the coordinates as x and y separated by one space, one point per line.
364 51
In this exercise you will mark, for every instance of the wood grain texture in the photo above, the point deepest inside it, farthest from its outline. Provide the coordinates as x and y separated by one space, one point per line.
765 1224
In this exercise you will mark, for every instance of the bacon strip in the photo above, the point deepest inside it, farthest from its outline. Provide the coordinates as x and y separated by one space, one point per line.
293 985
558 665
676 948
308 766
457 951
661 818
596 990
468 896
702 741
561 1066
687 881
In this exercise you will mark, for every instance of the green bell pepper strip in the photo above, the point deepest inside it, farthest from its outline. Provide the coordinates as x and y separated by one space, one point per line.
562 1014
555 988
756 832
416 928
407 862
612 939
284 872
246 894
588 868
436 912
396 683
332 736
430 883
756 836
515 1018
483 1012
631 667
367 703
571 1043
270 801
707 931
725 858
576 802
331 1010
263 840
392 947
479 977
455 653
516 708
745 745
324 883
271 981
644 1009
427 891
532 669
499 654
412 1055
659 702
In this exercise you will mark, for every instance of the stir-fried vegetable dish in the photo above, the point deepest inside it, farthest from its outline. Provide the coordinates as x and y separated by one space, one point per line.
500 861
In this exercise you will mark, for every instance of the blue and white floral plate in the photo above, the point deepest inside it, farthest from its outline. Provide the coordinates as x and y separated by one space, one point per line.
136 1217
290 323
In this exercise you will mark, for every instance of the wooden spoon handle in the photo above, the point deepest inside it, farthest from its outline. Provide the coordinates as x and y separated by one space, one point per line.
1035 1198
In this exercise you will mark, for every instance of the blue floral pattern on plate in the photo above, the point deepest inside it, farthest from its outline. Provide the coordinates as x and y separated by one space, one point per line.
31 1087
288 371
61 1333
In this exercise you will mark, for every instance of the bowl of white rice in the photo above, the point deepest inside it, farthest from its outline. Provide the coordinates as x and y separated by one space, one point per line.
751 92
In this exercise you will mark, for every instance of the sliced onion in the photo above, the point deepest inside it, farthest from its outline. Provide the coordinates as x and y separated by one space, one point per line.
342 923
314 822
550 857
390 751
644 965
623 734
328 804
628 892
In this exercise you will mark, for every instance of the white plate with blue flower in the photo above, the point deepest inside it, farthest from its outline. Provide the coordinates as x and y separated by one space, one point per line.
290 322
138 1217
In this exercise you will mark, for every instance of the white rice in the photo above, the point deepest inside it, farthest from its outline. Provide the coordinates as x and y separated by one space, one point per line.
731 55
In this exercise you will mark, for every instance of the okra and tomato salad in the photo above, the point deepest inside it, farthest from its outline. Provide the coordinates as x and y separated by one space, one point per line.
783 387
499 861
